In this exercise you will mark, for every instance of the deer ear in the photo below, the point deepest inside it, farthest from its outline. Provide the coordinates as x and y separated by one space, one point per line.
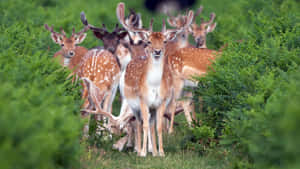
171 35
211 27
80 38
171 22
143 36
57 38
122 35
99 35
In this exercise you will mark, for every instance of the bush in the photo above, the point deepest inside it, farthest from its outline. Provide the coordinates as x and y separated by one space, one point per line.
39 124
237 95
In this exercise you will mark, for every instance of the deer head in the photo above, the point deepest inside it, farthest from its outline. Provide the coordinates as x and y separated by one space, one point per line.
178 22
155 41
68 45
199 32
110 40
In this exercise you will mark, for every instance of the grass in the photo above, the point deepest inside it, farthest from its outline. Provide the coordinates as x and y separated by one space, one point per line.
176 156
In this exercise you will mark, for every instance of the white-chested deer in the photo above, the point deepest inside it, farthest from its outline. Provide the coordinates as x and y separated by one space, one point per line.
70 54
147 83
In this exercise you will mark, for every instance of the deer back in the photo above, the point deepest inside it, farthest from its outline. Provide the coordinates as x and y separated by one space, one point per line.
187 62
101 67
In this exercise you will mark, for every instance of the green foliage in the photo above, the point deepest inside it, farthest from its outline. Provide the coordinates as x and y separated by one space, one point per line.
39 124
250 99
238 94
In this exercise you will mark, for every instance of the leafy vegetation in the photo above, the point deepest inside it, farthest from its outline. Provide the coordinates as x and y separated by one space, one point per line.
250 98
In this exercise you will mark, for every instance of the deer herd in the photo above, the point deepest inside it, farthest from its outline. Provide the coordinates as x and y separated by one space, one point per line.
150 69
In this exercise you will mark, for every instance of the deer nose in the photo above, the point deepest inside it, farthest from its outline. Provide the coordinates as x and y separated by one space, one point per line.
157 52
71 53
199 42
111 49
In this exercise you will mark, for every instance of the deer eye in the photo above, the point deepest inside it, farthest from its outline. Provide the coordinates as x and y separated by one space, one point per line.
165 41
62 45
148 42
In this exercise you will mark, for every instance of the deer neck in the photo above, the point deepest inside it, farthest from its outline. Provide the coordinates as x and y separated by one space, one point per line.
67 61
155 71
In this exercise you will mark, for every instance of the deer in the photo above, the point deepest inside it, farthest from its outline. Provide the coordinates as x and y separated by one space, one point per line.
102 68
122 123
147 82
70 55
199 32
110 40
185 64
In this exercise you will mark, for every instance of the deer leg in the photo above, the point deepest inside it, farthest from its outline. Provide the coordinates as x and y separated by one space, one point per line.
150 146
138 133
188 107
130 135
153 136
177 92
86 128
84 96
159 118
145 117
172 109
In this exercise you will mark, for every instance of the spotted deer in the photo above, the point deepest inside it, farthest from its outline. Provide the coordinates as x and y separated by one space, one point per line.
180 42
199 32
122 123
70 54
186 63
100 67
147 83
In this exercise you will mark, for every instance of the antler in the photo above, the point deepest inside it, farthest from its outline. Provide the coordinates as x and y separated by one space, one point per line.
117 29
151 25
85 22
188 21
164 26
133 18
86 28
211 19
62 31
121 16
96 96
51 30
199 10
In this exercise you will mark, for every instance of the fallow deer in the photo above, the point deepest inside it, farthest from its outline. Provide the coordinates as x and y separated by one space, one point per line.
186 63
200 35
181 41
110 40
147 83
199 32
70 54
101 67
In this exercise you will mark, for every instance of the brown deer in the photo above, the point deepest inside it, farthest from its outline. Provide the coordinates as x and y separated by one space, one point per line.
186 63
102 68
70 54
199 32
147 83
